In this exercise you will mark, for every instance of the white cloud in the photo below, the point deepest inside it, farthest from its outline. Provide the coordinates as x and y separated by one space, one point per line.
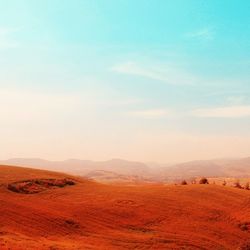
203 34
151 113
223 112
167 74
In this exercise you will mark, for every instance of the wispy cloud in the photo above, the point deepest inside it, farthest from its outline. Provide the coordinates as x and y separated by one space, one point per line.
166 74
237 111
202 34
151 113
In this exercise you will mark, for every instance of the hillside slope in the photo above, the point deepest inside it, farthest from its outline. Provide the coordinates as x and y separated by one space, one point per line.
82 167
89 215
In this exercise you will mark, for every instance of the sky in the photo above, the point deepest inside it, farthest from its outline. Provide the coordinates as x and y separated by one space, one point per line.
145 80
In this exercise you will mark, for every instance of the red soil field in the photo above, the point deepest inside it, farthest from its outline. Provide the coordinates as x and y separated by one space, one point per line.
91 215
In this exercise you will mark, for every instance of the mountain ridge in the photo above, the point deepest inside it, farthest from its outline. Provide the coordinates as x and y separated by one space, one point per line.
236 168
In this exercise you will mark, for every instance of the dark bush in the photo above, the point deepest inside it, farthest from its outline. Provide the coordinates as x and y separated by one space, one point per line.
237 184
70 182
244 227
184 182
203 181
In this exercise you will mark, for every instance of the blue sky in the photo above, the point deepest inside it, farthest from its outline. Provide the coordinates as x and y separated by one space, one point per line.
142 80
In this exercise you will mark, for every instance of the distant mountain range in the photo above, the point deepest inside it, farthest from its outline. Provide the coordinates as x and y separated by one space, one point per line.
123 169
129 171
211 168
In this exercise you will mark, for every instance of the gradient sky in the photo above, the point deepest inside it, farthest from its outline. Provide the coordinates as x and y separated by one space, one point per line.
148 80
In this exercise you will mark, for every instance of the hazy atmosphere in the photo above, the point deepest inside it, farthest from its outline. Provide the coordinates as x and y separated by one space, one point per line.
138 80
125 124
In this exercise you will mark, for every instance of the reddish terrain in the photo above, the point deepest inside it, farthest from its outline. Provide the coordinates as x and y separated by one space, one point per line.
90 215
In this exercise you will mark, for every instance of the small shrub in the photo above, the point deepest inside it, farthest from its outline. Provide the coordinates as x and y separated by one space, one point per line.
72 223
224 183
237 184
244 227
184 182
70 182
13 188
203 181
247 186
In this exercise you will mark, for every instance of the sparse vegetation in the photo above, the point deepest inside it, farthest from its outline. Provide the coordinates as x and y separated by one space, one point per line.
203 181
224 183
247 187
184 182
72 223
38 185
237 184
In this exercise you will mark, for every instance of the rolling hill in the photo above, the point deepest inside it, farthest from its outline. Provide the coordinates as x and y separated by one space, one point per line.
90 215
82 167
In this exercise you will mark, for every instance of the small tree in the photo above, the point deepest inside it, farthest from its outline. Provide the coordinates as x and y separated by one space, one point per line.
184 182
247 186
224 183
203 181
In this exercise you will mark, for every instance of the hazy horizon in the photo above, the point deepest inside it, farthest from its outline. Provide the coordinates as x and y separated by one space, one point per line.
158 81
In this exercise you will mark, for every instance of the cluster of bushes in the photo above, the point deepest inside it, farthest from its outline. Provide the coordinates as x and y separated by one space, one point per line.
202 181
238 185
38 185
